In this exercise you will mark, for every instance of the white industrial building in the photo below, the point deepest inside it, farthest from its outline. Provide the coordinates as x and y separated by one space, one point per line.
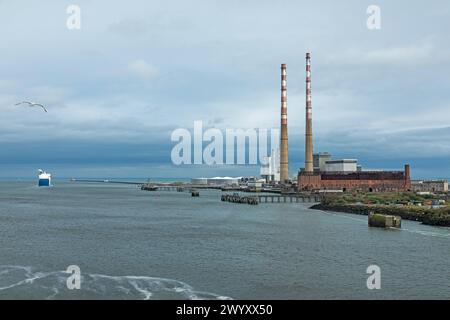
270 168
429 185
221 181
341 165
199 180
224 180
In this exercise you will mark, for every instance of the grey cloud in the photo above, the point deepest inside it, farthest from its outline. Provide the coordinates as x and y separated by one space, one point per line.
129 27
138 69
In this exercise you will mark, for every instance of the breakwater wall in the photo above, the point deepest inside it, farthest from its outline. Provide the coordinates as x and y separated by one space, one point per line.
434 217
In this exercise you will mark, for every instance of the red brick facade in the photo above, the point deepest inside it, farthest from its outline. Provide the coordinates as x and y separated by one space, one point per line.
363 181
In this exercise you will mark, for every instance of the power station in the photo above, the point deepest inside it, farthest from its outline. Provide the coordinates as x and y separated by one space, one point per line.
344 174
320 172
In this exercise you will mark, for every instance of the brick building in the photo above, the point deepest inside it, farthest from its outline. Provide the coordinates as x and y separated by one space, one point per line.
375 181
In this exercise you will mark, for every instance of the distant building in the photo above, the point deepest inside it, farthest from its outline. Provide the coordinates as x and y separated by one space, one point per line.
319 160
270 169
256 185
429 185
224 180
323 162
356 180
199 180
220 181
341 165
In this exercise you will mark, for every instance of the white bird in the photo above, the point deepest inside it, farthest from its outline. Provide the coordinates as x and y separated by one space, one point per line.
32 104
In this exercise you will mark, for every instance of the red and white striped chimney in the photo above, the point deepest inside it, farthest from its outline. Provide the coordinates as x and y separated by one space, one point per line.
284 160
308 128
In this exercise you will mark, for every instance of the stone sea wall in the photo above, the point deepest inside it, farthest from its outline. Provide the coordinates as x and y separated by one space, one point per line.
435 217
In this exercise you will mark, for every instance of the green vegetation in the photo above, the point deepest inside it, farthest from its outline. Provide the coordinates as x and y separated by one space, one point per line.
378 218
379 198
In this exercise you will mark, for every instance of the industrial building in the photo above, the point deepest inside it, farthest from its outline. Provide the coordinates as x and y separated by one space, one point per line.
220 181
372 181
341 165
429 186
323 162
319 161
270 169
323 173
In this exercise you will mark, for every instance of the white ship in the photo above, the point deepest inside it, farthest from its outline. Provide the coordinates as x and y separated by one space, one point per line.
45 179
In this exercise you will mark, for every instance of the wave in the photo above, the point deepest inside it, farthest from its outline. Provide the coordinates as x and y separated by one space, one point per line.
342 215
23 282
444 234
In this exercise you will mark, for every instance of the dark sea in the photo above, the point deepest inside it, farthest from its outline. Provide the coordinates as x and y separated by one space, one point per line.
133 244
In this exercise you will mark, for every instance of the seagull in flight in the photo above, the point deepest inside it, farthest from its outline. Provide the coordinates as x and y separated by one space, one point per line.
32 104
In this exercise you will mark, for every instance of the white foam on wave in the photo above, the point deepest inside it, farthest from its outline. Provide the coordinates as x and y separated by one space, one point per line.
342 215
443 234
52 285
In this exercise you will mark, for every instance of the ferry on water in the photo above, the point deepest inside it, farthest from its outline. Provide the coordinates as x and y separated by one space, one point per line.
45 179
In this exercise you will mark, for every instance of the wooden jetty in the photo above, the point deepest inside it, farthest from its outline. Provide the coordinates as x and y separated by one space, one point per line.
155 187
148 187
236 198
289 198
176 187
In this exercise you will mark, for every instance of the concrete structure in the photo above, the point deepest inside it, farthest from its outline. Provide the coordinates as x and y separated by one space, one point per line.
308 127
319 160
284 158
270 170
384 221
342 165
429 186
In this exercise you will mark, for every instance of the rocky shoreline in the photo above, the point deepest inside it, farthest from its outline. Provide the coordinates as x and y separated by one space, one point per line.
433 217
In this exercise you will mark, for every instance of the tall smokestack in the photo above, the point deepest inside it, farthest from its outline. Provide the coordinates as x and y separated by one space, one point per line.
284 159
308 131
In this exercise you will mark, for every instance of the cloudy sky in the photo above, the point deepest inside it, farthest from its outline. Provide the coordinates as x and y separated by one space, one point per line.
137 70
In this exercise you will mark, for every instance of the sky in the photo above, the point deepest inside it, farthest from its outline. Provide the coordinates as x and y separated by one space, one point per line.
135 71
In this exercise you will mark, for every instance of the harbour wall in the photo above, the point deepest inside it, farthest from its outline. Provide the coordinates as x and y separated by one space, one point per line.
434 217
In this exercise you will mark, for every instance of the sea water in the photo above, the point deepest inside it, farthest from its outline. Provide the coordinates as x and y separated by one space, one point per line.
133 244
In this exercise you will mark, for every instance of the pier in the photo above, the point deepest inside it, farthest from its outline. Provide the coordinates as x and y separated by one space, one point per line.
292 198
289 198
269 196
175 187
236 198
